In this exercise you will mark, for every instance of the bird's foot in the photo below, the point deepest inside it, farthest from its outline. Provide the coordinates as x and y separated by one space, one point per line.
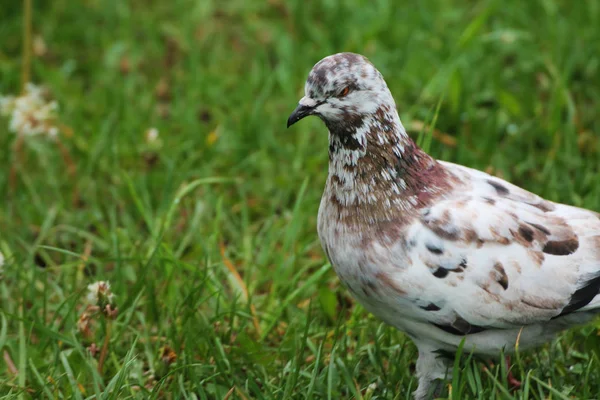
512 381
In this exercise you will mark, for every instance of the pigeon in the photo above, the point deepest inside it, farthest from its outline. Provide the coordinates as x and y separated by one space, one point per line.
447 254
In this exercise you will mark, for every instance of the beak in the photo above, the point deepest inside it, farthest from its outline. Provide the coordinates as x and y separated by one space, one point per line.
299 113
304 109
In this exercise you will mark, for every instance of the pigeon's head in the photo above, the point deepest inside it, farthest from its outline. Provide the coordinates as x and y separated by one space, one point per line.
342 88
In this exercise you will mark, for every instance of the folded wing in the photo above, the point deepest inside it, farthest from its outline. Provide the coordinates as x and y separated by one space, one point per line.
497 256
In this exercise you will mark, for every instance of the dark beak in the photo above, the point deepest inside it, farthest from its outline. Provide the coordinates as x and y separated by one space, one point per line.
300 112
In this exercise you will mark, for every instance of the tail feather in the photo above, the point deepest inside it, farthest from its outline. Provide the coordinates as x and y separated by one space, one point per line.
585 298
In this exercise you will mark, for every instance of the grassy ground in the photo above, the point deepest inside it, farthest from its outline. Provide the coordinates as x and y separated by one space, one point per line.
208 234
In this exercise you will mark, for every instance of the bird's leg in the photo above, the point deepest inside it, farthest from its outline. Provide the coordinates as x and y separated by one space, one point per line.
512 381
431 371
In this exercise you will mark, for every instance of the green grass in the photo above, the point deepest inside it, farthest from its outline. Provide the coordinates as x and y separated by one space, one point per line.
518 87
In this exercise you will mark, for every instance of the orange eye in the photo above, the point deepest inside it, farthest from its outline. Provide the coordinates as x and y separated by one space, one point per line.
344 92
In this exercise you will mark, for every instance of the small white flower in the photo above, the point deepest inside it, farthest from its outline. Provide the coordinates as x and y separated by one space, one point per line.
99 294
151 135
30 114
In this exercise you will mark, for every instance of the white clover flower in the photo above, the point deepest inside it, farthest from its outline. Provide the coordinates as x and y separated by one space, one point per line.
151 135
30 114
99 294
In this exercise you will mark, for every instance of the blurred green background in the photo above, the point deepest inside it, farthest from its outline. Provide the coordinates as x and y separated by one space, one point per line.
208 233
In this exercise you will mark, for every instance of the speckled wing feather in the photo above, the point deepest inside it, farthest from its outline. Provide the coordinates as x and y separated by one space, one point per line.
497 256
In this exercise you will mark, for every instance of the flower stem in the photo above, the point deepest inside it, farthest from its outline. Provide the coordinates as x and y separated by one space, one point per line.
16 164
26 62
104 350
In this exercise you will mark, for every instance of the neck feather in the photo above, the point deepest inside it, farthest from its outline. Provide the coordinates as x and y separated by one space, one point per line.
376 172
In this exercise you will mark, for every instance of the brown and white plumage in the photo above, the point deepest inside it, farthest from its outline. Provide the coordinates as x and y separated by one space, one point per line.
441 251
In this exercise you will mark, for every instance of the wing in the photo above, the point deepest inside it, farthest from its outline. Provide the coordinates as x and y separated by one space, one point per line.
497 256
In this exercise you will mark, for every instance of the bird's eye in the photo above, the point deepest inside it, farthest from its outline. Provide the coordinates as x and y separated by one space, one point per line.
344 92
